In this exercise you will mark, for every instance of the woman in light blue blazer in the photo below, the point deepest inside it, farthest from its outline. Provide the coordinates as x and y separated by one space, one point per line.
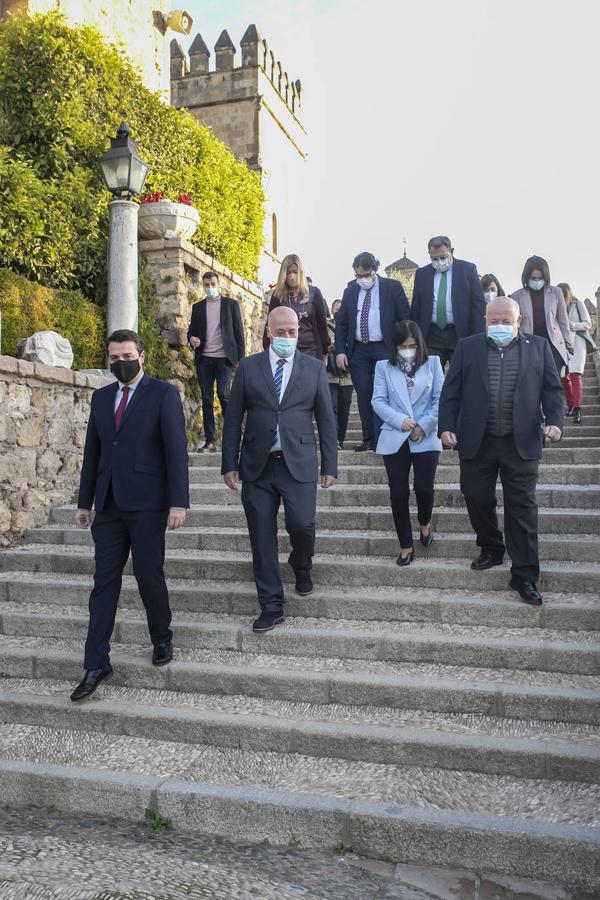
406 395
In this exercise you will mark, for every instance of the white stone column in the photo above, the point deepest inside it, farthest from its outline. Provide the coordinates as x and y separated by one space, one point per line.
122 307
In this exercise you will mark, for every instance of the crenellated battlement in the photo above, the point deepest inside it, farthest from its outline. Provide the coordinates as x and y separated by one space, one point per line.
255 54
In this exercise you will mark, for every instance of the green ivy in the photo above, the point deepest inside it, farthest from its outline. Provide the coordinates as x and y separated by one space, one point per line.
63 94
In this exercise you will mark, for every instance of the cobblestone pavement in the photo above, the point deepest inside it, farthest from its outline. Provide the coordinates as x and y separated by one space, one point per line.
46 855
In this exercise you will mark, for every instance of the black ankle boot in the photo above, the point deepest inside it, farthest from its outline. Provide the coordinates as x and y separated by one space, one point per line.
577 417
569 412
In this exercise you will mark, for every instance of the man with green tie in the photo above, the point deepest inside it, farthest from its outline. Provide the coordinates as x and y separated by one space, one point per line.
448 302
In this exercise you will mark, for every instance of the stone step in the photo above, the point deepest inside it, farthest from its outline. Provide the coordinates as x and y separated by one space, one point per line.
578 441
357 571
545 829
551 495
526 749
571 652
568 612
445 519
587 429
433 687
339 541
585 474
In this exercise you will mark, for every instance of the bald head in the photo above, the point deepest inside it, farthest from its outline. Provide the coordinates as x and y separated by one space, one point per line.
503 311
282 323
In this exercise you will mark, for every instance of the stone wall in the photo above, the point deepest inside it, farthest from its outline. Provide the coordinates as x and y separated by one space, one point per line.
43 419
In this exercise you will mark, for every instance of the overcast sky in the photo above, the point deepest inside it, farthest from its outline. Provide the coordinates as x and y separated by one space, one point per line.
478 119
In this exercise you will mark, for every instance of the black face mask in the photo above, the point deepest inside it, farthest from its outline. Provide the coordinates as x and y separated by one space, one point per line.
125 370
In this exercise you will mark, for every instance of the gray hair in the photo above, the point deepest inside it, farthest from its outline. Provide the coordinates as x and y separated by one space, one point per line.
513 303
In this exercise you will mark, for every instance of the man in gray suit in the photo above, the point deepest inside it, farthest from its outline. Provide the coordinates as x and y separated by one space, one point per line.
279 391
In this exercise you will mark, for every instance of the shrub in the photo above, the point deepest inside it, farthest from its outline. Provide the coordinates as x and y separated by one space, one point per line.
28 307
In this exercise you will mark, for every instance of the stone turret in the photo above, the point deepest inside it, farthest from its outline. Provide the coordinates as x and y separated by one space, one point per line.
178 60
199 56
252 47
225 52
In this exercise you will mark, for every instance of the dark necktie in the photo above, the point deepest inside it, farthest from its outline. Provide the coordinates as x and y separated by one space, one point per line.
121 407
278 378
364 318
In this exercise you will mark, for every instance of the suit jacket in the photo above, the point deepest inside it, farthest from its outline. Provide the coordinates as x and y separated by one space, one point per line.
306 395
146 460
557 320
393 307
232 329
465 396
393 404
468 302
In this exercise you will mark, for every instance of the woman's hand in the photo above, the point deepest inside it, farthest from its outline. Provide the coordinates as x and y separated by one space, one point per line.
417 434
408 425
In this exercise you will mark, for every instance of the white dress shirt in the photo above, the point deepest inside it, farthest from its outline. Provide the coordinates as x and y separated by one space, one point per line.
132 386
287 371
436 286
375 333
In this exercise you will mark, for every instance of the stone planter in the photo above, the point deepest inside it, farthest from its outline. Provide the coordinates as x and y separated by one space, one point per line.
166 219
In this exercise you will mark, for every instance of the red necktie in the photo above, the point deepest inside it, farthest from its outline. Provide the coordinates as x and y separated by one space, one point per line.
121 407
364 318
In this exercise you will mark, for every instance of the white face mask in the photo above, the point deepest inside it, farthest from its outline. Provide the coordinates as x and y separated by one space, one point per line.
211 292
365 282
536 284
408 353
490 295
441 265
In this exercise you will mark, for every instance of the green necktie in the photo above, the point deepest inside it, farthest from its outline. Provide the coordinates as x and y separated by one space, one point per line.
441 317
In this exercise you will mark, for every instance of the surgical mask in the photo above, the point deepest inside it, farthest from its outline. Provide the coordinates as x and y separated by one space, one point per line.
441 265
408 353
536 284
211 293
284 347
125 370
501 334
490 295
365 283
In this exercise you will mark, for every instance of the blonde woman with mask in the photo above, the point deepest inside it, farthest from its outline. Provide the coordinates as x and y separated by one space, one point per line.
293 290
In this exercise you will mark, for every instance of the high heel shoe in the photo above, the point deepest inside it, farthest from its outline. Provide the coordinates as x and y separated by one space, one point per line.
577 417
427 539
405 561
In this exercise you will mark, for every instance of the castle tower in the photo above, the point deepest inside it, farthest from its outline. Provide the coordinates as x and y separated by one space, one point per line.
254 107
403 270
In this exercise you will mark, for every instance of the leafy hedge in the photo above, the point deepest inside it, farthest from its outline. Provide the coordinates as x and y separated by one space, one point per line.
27 307
63 94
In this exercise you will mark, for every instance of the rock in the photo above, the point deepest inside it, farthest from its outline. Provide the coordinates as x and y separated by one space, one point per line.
30 432
47 347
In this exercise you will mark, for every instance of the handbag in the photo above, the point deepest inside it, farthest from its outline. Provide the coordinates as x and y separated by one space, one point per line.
590 343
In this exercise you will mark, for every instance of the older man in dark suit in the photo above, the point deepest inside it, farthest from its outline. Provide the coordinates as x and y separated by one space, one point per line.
364 326
447 302
490 408
279 391
135 468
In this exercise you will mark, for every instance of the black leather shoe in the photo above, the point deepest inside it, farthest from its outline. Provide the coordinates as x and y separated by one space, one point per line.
304 585
267 622
364 445
405 560
569 411
340 445
162 654
426 540
577 417
486 561
90 682
208 447
527 591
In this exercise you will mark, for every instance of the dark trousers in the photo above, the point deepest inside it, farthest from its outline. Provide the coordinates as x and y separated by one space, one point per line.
397 466
115 533
362 369
498 456
261 499
341 400
210 370
442 342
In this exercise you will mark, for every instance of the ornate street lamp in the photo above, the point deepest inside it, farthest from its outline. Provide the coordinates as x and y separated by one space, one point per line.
124 173
123 169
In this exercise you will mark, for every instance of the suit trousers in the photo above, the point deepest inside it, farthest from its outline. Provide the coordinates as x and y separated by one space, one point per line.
115 533
397 466
442 342
478 476
362 369
209 370
261 499
341 400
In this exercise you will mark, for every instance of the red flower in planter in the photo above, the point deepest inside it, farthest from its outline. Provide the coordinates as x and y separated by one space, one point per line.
184 198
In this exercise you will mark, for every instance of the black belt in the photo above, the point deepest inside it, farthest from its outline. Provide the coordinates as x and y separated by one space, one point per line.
276 454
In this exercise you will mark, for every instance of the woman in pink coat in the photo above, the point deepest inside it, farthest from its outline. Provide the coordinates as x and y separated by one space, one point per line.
543 309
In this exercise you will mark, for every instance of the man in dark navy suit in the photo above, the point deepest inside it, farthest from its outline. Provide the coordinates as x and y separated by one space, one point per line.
371 308
447 302
135 467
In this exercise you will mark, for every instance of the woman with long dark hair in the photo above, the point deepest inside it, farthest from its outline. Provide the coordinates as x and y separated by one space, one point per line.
406 395
491 287
543 309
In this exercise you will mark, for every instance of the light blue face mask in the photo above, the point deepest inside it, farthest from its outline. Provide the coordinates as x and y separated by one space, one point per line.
536 284
284 347
501 334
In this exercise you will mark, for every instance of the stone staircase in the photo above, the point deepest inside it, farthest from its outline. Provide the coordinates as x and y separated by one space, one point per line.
423 715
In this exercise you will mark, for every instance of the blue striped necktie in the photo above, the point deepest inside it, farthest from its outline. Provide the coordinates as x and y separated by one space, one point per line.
278 378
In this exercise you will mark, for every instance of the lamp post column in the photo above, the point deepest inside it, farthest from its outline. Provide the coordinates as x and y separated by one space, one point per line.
122 306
